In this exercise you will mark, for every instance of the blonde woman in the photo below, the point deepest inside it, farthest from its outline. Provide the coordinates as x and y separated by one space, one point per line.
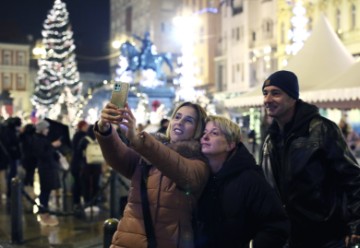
237 205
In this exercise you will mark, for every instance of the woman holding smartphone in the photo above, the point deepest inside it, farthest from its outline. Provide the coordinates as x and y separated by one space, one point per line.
168 173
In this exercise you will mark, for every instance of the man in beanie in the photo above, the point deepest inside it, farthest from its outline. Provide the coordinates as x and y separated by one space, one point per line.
306 159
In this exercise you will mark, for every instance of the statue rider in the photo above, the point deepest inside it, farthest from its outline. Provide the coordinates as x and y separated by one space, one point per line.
145 53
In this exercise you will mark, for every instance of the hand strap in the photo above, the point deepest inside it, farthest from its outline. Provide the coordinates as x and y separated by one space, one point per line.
149 228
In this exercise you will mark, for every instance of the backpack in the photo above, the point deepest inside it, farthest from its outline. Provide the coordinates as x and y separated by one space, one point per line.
93 152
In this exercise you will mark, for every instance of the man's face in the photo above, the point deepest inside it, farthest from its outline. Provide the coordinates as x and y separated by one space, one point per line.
278 104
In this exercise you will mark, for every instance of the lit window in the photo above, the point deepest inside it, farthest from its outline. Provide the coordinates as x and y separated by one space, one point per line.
20 58
20 82
6 57
6 81
353 16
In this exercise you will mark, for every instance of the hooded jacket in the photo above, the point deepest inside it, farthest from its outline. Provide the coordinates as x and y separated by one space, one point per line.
238 205
173 186
316 176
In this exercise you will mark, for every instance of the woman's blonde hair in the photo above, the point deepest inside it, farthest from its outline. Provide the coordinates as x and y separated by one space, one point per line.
230 129
200 122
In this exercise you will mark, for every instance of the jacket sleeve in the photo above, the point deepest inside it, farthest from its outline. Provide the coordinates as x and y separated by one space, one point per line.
268 215
116 154
189 174
347 170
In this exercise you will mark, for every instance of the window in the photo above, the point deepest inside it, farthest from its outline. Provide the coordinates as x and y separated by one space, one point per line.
253 36
242 72
338 20
233 74
201 69
20 59
20 82
201 34
353 17
6 81
310 24
6 58
282 33
237 6
268 28
237 34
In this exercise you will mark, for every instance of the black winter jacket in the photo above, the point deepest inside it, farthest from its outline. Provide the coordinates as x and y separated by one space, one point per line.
238 205
316 176
48 163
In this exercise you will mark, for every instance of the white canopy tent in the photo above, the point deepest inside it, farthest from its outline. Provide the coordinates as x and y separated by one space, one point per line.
343 91
322 60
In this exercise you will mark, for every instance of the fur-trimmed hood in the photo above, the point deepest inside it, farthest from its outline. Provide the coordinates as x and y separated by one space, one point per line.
188 148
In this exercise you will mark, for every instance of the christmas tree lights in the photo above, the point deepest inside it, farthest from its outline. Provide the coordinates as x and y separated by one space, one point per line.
58 80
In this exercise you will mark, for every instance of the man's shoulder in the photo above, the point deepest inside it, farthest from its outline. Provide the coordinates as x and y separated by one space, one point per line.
321 120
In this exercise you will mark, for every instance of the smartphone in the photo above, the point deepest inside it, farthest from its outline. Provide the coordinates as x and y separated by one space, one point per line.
119 94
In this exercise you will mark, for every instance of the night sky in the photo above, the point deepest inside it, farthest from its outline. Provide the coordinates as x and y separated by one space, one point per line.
90 22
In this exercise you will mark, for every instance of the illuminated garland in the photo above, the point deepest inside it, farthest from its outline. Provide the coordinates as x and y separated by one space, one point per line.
58 80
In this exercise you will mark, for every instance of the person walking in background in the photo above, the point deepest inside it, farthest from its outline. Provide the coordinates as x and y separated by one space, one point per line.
4 163
238 204
10 139
164 123
90 173
344 127
353 140
28 158
48 166
76 163
306 159
167 176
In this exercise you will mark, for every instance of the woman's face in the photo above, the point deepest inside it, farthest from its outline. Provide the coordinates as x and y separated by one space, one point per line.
213 141
183 124
45 131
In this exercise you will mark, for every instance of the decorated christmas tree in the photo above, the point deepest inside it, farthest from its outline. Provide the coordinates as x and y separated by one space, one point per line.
57 86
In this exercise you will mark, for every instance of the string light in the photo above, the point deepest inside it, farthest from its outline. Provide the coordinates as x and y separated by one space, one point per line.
58 85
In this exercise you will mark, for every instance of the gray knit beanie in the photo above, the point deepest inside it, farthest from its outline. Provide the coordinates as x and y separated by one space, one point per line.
41 126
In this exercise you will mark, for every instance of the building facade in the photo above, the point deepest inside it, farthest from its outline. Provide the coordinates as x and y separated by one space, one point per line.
256 36
15 79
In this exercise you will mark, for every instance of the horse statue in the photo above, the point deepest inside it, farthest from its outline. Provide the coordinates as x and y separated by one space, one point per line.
145 59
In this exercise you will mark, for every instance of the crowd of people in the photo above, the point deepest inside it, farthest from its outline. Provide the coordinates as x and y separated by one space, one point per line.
194 183
199 186
27 151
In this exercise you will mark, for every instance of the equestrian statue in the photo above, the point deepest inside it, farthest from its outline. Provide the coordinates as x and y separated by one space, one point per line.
146 58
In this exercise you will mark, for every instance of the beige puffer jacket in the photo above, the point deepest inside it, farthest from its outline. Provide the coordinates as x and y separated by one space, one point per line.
175 182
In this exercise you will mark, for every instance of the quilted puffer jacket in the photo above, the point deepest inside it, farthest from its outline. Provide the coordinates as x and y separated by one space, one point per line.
174 184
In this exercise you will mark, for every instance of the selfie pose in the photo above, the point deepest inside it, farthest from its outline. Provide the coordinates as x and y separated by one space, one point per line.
167 176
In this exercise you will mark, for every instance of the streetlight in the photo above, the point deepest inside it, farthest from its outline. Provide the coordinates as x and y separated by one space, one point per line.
185 30
39 50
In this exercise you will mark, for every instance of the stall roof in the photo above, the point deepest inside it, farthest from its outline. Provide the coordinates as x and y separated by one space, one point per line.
344 87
